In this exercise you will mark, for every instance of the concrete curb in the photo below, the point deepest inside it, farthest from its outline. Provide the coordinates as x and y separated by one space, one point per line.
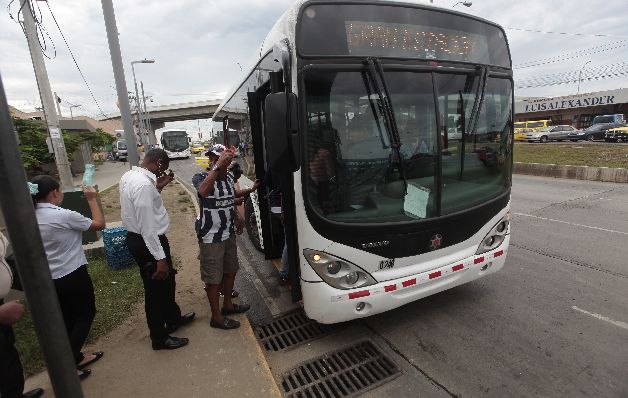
605 174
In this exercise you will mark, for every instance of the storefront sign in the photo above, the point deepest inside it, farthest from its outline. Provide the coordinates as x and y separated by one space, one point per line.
573 101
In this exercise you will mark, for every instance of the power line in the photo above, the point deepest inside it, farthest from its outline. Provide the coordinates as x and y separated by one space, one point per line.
74 59
565 33
41 29
597 73
573 55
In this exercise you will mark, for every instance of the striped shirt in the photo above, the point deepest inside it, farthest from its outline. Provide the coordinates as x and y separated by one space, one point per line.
217 209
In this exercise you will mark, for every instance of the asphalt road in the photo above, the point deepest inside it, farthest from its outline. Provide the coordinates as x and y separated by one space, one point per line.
553 322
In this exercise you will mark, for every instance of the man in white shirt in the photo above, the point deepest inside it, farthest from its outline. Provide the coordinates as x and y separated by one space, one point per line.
146 219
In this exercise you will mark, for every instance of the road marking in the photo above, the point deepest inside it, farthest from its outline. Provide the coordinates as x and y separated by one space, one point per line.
603 318
571 223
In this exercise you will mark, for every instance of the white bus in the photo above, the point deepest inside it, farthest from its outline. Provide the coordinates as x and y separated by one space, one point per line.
176 143
349 107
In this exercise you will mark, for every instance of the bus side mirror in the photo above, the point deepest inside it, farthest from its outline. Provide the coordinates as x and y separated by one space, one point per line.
281 132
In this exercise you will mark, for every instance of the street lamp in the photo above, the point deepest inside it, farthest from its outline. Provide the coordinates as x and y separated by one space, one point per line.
137 95
73 106
580 75
464 3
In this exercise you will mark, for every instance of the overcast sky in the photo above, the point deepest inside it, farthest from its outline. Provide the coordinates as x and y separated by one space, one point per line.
197 45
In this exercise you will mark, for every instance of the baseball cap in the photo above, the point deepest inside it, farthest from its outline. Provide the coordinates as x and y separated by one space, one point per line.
216 150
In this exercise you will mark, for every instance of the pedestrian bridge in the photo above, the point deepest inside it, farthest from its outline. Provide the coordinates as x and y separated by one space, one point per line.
159 115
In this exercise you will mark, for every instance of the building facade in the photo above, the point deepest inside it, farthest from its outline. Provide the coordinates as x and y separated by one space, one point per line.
575 110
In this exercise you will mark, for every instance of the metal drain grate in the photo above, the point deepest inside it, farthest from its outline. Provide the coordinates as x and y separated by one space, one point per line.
343 373
290 330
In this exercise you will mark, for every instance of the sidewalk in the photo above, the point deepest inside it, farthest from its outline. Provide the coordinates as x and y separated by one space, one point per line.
216 363
106 175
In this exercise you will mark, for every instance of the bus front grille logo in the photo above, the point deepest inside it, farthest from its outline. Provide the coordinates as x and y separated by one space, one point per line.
436 241
375 244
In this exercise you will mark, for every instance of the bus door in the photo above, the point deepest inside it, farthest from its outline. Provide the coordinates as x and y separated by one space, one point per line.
277 172
270 235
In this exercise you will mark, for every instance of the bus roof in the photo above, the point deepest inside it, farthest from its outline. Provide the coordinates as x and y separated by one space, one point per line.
285 28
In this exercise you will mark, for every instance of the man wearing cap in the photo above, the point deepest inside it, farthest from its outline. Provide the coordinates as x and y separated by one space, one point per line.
219 220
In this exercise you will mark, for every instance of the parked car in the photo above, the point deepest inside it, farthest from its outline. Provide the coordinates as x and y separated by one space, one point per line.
520 134
552 133
120 151
595 132
616 134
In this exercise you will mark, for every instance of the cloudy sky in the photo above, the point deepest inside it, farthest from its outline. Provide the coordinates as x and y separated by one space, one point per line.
198 44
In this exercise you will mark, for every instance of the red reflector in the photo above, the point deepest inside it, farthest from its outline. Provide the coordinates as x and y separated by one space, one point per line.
457 267
408 283
390 288
433 63
356 295
499 253
478 260
434 275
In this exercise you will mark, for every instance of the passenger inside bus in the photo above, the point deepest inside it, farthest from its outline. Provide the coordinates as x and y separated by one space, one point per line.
365 160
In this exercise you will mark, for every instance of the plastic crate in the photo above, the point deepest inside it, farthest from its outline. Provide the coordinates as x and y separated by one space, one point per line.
116 252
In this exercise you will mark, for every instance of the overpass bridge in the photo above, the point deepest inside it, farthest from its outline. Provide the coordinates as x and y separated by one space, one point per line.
159 115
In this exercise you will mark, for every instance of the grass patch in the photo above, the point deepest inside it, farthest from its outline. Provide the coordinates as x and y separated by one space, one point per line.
114 303
576 154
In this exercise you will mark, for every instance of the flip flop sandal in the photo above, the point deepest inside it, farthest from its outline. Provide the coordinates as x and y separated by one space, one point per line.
227 323
97 355
84 374
237 309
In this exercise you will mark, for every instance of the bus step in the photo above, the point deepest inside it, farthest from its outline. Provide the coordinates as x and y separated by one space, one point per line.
290 330
346 372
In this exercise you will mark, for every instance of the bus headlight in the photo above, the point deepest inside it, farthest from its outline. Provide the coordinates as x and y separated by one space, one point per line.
496 236
337 272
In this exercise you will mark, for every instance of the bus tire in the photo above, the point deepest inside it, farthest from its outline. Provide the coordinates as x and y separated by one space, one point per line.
251 224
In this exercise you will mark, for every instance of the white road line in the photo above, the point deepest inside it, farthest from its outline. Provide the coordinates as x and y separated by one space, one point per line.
603 318
571 223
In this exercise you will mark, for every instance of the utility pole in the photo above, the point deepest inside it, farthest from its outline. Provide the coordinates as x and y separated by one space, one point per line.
118 73
152 140
47 101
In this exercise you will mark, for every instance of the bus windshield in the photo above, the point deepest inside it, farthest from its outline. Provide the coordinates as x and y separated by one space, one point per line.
175 141
354 173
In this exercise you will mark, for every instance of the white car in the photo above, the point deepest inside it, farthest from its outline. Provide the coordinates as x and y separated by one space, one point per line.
552 133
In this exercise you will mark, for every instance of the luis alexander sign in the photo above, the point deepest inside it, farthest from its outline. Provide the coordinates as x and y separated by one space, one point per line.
572 101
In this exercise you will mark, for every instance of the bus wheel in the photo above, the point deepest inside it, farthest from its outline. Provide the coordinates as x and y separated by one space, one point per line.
251 224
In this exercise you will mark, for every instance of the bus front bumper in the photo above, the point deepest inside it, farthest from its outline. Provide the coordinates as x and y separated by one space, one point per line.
326 304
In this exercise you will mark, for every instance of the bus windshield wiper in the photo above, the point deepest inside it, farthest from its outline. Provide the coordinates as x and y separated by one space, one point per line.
376 71
474 116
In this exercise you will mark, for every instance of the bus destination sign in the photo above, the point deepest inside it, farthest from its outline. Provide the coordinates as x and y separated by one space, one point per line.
414 41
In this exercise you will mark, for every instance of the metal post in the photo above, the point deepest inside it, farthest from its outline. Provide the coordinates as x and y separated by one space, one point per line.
118 73
45 93
19 215
138 109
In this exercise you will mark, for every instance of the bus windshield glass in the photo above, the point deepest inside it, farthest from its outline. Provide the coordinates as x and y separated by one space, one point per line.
175 141
353 171
400 32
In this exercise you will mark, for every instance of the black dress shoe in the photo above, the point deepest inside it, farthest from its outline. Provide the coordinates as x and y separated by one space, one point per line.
171 343
184 320
36 393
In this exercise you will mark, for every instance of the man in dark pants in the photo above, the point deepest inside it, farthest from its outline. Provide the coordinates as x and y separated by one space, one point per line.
11 373
147 222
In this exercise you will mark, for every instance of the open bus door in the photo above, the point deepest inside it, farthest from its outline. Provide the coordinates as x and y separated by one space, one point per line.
264 151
